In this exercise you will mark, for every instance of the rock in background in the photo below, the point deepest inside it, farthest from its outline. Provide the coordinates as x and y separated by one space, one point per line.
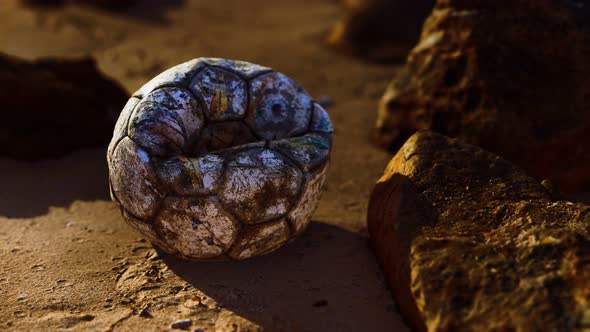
380 30
512 77
53 106
487 250
110 4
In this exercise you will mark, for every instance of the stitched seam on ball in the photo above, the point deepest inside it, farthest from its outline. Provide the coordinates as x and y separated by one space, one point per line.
179 118
190 79
289 159
249 110
245 227
238 73
126 130
239 223
205 122
264 72
302 189
202 100
310 121
157 185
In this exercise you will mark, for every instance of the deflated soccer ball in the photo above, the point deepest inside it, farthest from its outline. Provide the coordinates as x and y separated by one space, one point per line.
219 158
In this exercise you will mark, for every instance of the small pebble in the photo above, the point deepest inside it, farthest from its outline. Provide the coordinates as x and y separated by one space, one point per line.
87 318
70 224
183 324
38 267
154 256
145 313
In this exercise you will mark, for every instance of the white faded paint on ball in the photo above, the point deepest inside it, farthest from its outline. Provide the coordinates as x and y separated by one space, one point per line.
143 156
196 227
243 160
241 148
307 152
301 214
147 230
279 107
166 121
225 94
211 167
278 209
120 130
191 176
134 180
175 76
259 185
191 242
221 224
320 120
244 68
270 159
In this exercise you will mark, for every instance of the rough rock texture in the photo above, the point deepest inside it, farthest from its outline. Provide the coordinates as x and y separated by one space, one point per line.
504 76
52 107
381 30
219 158
470 242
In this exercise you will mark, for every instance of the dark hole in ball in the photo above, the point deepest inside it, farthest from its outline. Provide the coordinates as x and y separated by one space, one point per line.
277 109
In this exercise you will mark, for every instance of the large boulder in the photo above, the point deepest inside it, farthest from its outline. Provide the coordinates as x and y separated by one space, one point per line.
380 30
51 107
469 242
510 76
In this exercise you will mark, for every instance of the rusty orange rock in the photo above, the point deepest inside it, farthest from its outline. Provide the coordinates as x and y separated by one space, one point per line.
380 30
469 242
511 77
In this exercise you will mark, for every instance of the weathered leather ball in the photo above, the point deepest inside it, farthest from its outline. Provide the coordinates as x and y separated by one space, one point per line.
218 158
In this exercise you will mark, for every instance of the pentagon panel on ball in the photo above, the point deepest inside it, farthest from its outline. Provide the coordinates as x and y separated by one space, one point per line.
219 159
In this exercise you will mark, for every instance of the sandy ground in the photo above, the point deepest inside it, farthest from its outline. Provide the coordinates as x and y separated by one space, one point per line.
68 261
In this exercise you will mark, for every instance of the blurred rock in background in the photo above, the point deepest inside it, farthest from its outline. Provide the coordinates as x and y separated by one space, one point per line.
110 4
379 30
490 250
54 106
512 77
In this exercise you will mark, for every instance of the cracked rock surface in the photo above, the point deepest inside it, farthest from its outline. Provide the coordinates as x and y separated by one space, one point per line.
469 242
503 76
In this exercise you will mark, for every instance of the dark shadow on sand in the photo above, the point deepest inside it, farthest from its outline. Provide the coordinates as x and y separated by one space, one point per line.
327 280
28 189
152 11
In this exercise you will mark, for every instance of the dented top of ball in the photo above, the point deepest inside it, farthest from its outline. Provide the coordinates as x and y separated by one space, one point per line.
219 158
